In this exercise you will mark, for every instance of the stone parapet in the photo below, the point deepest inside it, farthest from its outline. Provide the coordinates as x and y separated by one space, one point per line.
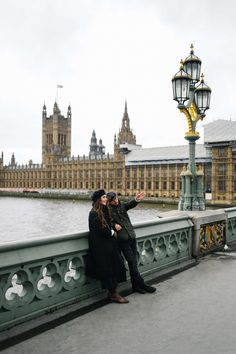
42 275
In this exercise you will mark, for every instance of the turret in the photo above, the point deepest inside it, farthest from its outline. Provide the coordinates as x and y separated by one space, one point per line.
101 148
13 160
1 160
96 149
44 114
69 112
56 110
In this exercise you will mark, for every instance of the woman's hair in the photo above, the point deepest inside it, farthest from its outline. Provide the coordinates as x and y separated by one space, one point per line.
99 208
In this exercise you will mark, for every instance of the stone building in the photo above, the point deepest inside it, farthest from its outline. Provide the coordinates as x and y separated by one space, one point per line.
130 168
56 135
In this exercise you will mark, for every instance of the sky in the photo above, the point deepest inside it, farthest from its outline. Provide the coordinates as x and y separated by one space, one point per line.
104 52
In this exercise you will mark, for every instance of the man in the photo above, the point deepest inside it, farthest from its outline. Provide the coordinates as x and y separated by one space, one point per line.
127 238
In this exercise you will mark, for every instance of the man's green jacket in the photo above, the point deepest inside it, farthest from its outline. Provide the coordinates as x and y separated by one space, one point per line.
120 216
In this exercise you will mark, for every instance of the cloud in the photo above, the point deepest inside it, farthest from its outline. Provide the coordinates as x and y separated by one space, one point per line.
104 52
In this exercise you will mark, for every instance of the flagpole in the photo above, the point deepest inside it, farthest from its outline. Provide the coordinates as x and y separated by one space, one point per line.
58 86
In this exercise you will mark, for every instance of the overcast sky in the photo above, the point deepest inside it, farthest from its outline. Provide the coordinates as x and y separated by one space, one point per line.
104 52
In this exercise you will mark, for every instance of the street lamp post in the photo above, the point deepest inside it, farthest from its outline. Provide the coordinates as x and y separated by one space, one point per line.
193 101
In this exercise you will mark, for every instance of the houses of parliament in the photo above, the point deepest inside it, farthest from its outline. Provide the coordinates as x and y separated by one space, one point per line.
130 168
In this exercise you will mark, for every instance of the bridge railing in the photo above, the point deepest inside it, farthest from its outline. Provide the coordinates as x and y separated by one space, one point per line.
42 275
231 225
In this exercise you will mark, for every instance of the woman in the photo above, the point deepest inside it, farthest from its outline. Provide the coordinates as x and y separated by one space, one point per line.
108 264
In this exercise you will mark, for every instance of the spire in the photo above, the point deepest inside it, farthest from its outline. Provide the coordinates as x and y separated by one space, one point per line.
69 111
125 134
44 111
13 160
125 120
93 138
126 107
56 109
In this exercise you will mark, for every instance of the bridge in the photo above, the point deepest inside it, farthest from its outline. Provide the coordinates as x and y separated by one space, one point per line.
47 306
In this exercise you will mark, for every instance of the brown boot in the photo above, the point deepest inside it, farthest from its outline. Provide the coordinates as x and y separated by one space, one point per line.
115 297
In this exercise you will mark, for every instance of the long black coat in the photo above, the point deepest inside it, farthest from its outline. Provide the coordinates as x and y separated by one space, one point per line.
120 216
105 257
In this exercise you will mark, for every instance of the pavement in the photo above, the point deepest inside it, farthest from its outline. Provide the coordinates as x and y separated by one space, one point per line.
192 312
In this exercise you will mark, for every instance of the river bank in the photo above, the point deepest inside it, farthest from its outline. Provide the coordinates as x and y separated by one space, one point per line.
87 197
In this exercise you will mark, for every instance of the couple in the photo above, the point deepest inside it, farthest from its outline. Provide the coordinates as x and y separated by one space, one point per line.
110 233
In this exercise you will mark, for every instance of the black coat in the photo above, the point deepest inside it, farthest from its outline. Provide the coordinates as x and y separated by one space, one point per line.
120 216
104 256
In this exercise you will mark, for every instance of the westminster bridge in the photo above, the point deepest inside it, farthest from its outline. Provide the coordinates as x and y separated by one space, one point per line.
48 306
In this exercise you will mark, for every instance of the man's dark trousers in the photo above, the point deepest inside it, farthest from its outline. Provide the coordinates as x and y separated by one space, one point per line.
129 249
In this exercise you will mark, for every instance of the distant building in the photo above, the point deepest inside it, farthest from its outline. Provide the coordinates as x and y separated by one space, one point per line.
130 168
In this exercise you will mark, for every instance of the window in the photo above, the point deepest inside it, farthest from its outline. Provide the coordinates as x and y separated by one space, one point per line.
221 152
221 186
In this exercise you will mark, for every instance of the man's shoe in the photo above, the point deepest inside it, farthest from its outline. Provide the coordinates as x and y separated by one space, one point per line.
139 290
148 288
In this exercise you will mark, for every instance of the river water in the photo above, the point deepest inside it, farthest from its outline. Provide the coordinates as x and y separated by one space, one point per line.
26 218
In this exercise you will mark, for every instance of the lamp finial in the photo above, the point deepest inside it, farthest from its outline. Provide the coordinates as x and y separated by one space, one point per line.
191 49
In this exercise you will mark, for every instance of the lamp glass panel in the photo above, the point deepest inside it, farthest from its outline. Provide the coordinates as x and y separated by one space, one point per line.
188 69
178 89
174 89
195 71
208 99
202 99
198 70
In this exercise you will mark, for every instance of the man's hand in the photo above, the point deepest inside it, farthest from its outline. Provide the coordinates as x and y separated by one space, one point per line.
140 196
118 227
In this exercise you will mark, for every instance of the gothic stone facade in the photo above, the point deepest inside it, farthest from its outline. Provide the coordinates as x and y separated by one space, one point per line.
131 168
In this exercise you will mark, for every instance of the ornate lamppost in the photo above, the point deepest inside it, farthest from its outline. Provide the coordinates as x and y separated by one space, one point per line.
193 101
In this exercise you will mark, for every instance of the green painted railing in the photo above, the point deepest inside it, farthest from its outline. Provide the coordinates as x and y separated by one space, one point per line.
231 225
42 275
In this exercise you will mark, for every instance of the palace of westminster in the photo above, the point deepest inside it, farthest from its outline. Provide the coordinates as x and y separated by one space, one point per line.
131 168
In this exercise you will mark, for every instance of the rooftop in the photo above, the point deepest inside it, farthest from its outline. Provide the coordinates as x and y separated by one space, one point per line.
219 131
164 154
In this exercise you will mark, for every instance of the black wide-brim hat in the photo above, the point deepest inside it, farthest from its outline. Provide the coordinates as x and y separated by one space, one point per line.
98 194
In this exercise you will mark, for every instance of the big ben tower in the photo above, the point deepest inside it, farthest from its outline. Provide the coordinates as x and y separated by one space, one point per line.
56 135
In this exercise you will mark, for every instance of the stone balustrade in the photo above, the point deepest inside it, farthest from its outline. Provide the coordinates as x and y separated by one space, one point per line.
41 275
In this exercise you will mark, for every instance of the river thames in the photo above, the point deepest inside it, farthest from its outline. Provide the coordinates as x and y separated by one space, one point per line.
27 218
